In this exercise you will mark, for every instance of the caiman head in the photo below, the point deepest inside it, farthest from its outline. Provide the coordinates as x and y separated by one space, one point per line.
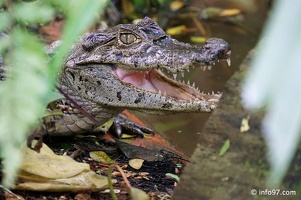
124 67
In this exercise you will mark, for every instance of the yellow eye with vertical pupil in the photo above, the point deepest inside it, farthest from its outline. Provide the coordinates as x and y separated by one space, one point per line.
128 38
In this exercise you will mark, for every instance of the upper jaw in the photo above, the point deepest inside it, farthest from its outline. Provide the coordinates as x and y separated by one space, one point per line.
187 55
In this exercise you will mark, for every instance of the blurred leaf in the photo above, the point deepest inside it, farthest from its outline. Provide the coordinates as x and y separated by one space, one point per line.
224 148
176 5
5 43
173 176
5 21
101 156
274 83
52 96
82 15
244 127
213 12
35 12
138 2
137 194
197 39
229 12
20 102
28 78
177 30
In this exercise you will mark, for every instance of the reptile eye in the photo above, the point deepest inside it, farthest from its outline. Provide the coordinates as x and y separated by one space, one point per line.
128 38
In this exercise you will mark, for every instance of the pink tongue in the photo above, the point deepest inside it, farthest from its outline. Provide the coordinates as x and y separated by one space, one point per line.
135 78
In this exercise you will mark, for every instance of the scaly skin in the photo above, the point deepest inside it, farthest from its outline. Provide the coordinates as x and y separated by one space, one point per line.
122 68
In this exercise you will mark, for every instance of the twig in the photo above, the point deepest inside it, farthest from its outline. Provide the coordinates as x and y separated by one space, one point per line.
126 181
10 192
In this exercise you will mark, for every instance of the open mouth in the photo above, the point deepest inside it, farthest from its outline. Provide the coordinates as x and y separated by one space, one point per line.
156 81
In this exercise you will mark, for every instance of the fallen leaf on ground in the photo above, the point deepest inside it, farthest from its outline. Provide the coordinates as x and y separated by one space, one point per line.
46 171
173 176
244 127
136 163
137 194
224 148
101 156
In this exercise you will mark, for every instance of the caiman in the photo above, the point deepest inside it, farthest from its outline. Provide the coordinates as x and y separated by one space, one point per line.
124 67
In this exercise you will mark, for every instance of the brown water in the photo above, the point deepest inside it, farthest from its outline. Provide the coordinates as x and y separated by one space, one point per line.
183 129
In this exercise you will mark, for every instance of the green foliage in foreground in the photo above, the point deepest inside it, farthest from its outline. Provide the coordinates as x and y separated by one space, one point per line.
274 82
30 80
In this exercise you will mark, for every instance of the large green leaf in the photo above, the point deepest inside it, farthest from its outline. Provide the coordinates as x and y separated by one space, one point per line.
274 83
29 79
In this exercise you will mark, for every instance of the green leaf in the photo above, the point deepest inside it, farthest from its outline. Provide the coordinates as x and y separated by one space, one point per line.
137 194
52 96
274 83
173 176
5 43
224 148
82 14
31 13
29 80
5 21
20 101
197 39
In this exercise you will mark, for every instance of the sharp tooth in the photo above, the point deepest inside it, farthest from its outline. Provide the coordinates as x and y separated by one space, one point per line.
164 93
182 73
188 70
213 63
175 76
209 67
193 84
204 68
160 92
229 61
188 82
217 60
